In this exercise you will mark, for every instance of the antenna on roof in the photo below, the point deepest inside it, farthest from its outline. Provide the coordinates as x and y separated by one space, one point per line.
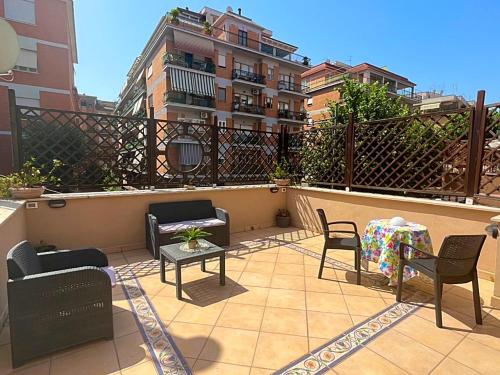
239 11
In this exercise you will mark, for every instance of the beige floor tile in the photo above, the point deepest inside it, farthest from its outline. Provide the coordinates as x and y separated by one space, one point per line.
356 319
263 256
167 307
190 362
260 267
327 325
289 269
459 323
326 302
276 350
37 369
241 316
189 338
217 368
311 270
250 295
234 264
315 342
287 251
230 345
145 368
358 290
462 305
97 358
131 350
4 335
366 306
287 321
291 258
487 334
288 282
406 352
120 305
255 279
450 366
477 356
313 284
124 323
492 318
289 299
312 261
260 371
367 362
200 314
425 332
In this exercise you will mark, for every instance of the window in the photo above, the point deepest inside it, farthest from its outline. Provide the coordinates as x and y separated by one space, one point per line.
20 10
222 60
283 106
150 101
269 102
270 74
310 101
243 99
222 126
27 61
242 38
149 71
243 67
221 94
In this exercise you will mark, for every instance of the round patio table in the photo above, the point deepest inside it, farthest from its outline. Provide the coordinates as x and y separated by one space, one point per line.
380 244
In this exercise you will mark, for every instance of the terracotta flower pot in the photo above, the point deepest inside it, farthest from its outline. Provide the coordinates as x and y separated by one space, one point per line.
26 192
282 181
283 221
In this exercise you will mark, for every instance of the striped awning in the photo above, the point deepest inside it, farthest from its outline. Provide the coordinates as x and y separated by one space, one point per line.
191 82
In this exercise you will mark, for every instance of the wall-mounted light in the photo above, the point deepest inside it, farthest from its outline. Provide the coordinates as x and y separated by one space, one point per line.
274 189
57 203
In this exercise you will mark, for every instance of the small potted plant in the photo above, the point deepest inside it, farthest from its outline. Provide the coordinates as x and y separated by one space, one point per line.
191 236
207 28
174 16
281 174
29 182
283 218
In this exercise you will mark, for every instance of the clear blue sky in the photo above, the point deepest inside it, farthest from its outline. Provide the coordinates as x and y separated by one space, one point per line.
443 45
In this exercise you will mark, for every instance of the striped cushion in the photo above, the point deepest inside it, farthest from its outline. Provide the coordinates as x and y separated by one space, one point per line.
183 225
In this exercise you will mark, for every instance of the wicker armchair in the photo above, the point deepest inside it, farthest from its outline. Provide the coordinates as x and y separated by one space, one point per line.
341 243
56 300
455 264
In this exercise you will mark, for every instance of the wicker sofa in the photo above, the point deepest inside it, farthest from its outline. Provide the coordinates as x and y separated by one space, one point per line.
56 300
165 219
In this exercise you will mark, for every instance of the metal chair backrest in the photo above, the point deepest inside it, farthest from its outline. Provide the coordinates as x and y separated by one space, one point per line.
324 222
22 260
459 254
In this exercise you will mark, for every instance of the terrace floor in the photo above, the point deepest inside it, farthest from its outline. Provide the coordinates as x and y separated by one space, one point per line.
274 315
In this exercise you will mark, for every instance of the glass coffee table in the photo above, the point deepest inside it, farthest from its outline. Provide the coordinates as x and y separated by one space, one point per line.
178 254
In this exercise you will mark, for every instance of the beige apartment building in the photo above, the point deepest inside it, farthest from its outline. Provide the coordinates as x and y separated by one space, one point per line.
212 66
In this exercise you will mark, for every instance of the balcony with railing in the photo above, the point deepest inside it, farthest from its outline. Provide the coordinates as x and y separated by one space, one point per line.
287 86
206 66
285 114
183 98
249 77
250 109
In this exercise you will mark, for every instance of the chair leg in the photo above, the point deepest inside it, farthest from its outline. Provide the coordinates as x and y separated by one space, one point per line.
477 299
399 290
357 265
438 292
323 257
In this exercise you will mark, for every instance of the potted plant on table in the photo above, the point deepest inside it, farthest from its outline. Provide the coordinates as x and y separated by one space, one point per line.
281 174
191 236
29 182
283 218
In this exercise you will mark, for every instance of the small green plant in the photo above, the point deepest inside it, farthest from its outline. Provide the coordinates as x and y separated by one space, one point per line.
191 234
29 176
281 171
174 16
207 28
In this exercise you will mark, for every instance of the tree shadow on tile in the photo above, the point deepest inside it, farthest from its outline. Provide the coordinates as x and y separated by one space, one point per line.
207 291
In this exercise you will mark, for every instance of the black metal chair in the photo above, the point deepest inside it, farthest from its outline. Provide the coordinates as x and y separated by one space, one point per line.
56 300
340 243
455 264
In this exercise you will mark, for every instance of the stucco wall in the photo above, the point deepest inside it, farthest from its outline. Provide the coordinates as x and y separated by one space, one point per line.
115 221
12 231
441 218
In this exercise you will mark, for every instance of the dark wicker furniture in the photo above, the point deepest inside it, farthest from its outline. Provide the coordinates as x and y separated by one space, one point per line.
341 243
179 257
164 219
455 264
56 300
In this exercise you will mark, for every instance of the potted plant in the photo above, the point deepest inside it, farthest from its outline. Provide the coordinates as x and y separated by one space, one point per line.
29 182
306 61
281 174
191 236
174 16
283 218
207 28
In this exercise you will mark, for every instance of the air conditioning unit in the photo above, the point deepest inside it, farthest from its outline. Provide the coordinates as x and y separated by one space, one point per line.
255 91
204 115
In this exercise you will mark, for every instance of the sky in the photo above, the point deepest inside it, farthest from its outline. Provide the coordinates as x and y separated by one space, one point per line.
439 45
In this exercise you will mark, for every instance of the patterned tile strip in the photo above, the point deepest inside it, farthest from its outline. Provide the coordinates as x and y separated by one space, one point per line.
330 354
167 357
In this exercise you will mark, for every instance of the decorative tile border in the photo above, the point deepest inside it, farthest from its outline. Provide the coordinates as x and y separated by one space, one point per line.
330 354
167 357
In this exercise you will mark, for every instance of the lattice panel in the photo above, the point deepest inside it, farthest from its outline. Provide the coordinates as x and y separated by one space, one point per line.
96 150
246 156
425 153
183 154
490 169
322 155
295 144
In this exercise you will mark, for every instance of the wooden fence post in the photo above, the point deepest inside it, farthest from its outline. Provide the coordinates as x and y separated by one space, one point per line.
15 132
349 152
475 148
151 148
214 148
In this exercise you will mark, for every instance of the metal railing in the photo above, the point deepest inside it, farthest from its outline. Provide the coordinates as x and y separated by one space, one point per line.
196 64
292 115
249 108
189 99
249 76
291 86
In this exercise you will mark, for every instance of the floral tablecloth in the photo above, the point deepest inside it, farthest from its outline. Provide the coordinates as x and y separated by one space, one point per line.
380 244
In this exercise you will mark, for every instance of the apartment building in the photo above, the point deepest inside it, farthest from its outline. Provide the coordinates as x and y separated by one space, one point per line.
209 66
91 104
323 83
433 101
44 73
